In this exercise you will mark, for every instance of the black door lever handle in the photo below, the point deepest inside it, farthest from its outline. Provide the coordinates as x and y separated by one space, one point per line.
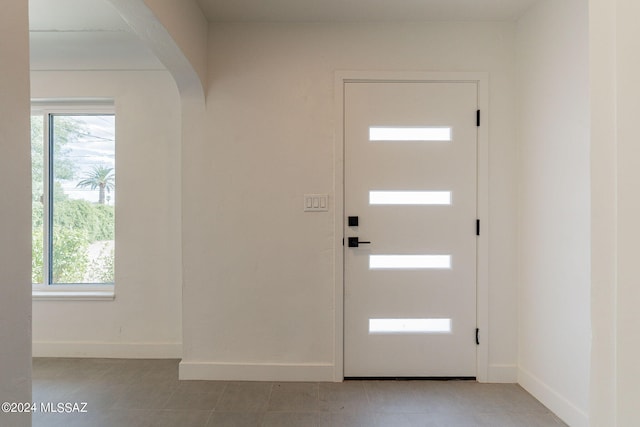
354 242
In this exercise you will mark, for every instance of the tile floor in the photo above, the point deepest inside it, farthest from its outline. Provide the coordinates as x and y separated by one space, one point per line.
133 393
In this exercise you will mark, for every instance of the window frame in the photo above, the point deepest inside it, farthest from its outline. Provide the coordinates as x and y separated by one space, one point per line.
71 291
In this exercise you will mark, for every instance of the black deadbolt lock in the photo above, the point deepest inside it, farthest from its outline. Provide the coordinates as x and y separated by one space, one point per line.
353 221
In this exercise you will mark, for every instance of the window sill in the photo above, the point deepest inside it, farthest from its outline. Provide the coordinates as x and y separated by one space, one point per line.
73 293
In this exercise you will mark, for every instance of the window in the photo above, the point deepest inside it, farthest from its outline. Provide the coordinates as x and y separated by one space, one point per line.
73 196
409 197
409 326
409 262
409 133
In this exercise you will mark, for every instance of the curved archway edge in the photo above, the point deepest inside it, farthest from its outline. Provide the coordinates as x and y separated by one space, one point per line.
190 81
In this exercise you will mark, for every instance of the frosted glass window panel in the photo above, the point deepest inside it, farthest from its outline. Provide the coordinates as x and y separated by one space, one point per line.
409 326
410 197
390 262
409 133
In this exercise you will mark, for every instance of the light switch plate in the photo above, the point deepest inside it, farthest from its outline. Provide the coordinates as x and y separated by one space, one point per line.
316 202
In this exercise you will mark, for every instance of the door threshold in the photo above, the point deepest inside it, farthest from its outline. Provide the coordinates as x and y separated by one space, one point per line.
410 378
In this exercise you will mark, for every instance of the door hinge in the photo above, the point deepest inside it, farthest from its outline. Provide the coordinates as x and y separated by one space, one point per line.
478 118
477 336
477 227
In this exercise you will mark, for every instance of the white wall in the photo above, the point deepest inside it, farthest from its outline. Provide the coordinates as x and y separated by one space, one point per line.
615 90
628 179
144 320
602 45
188 27
554 240
15 246
263 304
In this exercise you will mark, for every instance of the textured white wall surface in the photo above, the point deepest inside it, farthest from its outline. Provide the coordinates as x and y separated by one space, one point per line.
15 218
144 320
628 176
264 295
555 207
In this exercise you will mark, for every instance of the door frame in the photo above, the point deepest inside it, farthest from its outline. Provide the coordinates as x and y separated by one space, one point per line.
482 194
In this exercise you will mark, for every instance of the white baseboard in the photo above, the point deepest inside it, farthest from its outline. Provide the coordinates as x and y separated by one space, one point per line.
503 374
558 404
255 371
107 350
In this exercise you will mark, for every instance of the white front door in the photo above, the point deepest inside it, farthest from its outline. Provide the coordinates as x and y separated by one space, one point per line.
410 185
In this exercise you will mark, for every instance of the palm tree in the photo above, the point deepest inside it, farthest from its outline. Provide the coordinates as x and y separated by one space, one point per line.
100 177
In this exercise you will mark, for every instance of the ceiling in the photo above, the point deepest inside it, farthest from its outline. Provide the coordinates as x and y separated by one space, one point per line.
362 10
84 35
91 35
